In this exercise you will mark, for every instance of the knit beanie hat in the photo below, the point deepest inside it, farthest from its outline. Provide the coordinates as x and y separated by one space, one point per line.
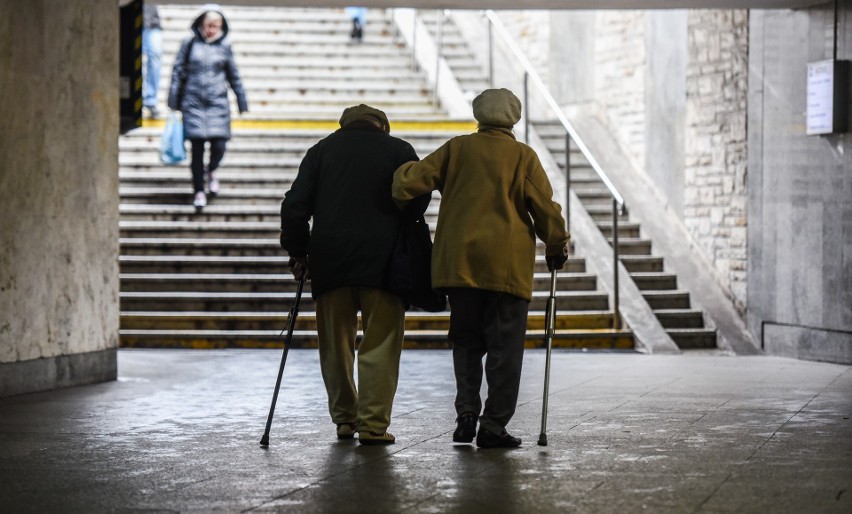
364 112
497 107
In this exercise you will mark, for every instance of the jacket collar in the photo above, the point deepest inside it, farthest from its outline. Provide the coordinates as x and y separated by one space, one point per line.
491 129
360 125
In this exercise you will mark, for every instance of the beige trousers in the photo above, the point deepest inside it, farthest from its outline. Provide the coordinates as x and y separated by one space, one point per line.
383 320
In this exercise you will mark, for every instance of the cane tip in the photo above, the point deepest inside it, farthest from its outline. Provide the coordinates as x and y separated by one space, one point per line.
542 439
264 441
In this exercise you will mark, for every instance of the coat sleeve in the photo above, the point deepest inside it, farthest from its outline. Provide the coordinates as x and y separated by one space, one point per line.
415 179
179 72
416 208
234 79
297 208
548 223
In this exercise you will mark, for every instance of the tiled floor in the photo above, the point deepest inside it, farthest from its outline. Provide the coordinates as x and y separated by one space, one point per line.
179 431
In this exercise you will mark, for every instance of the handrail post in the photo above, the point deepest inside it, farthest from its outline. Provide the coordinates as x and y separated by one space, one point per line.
568 181
439 51
526 108
616 315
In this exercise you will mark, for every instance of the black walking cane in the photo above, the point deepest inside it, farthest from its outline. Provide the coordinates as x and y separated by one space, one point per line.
549 322
291 323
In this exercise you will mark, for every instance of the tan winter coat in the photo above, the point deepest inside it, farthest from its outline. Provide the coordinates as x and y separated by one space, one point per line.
495 198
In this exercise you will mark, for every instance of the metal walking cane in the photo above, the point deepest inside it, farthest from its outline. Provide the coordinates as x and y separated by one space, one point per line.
291 323
549 322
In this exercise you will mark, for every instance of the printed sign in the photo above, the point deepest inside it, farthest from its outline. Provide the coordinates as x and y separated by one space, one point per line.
820 113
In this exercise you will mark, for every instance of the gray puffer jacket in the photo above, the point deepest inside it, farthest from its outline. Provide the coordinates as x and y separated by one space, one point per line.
199 87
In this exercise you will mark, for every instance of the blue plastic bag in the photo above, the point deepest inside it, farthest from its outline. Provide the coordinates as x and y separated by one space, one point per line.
172 149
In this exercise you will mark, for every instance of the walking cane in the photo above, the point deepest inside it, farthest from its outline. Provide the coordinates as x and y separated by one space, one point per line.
549 322
291 323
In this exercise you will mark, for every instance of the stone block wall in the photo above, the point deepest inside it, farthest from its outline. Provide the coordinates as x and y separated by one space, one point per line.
715 193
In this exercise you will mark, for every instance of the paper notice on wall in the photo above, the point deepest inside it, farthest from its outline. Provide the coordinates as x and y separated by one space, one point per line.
820 113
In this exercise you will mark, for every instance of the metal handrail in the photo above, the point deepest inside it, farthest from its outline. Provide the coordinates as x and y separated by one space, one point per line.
617 199
507 38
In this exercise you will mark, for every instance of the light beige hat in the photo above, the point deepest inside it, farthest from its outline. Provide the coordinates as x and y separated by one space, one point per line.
497 107
364 112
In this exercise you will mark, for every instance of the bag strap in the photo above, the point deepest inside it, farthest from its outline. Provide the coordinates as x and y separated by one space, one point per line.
185 70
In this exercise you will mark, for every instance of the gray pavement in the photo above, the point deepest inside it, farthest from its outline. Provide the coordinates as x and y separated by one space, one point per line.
179 431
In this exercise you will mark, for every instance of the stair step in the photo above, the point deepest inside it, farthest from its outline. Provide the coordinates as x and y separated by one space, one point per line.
289 147
693 338
680 318
213 212
601 339
183 195
249 283
627 230
658 300
603 213
195 229
655 281
200 246
253 264
642 263
306 320
633 246
282 301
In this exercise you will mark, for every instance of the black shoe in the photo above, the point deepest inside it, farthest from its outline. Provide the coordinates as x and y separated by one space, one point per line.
488 439
466 429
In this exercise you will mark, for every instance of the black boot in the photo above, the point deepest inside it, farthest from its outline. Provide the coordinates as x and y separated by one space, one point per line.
488 439
466 429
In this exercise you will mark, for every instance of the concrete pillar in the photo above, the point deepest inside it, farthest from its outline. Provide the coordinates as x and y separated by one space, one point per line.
59 190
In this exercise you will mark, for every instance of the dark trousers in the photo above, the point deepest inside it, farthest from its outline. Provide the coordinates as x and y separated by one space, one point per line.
217 151
491 325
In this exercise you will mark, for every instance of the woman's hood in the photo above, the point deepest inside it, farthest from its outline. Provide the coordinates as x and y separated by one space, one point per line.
196 25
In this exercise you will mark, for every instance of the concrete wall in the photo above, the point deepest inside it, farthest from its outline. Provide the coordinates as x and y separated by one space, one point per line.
800 192
59 184
665 102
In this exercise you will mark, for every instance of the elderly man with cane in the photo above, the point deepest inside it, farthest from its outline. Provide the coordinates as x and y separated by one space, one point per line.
344 184
495 199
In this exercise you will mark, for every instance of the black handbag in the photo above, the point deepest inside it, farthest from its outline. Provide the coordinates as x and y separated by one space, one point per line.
411 267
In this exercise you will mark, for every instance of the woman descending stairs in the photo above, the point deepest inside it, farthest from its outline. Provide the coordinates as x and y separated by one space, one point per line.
218 278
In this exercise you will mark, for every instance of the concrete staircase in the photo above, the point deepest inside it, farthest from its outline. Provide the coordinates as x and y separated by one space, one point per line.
672 306
218 278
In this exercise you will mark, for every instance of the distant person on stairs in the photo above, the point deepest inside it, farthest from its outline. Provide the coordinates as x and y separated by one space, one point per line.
495 199
203 69
344 184
152 49
358 15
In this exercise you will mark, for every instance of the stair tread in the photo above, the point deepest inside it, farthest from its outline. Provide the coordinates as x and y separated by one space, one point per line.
284 315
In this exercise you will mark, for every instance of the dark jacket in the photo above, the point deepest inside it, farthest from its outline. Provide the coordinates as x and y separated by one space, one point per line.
344 184
200 89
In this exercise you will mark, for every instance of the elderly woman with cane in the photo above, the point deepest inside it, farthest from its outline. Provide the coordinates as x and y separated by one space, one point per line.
495 199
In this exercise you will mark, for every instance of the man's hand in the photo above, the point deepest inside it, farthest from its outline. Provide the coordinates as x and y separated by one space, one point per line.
299 268
558 260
